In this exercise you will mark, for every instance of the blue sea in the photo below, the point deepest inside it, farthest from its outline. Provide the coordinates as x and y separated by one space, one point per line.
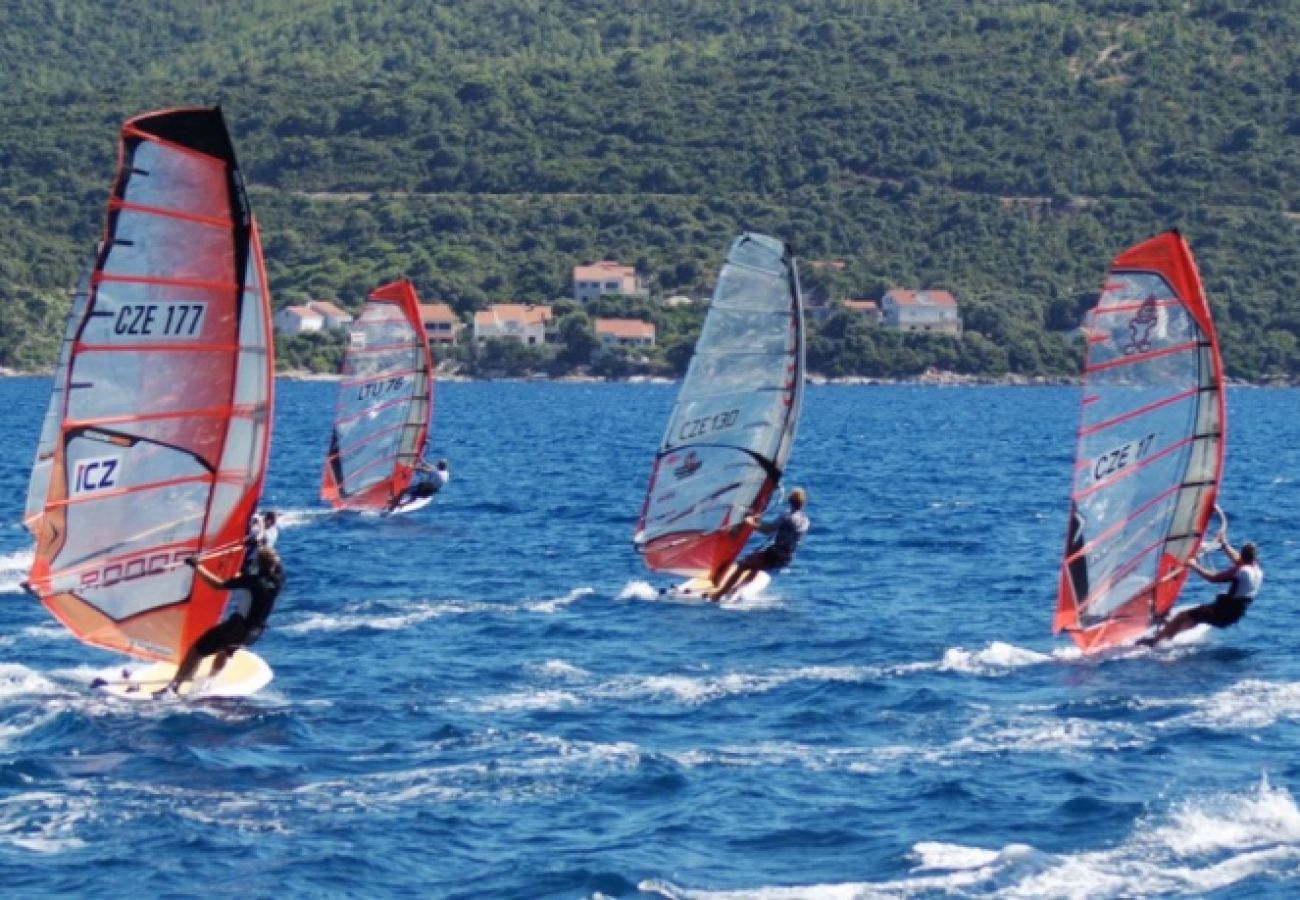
489 699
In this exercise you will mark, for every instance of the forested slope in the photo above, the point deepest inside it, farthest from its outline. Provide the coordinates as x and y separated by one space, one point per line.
1002 150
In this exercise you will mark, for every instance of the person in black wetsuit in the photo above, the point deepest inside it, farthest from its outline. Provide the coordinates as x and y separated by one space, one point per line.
787 531
1243 579
262 578
439 475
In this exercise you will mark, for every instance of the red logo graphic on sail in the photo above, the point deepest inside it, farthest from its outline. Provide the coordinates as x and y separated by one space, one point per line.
1139 327
690 465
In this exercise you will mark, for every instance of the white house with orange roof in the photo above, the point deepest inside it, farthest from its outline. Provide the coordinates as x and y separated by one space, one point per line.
934 311
523 322
625 332
868 308
333 316
440 323
297 319
606 277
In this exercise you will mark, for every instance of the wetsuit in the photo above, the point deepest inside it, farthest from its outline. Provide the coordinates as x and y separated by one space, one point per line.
242 629
1228 608
789 530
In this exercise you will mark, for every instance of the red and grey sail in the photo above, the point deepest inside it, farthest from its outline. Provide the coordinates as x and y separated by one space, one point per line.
1150 446
381 419
166 420
734 422
39 484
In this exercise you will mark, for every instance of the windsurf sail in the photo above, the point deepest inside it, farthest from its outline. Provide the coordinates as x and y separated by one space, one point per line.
734 422
38 486
1150 446
381 418
163 435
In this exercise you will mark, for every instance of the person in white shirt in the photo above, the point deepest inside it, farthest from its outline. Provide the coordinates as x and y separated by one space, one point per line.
439 475
1244 578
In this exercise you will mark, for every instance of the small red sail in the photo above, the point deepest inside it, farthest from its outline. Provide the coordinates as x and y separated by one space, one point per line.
1149 456
166 421
733 426
381 419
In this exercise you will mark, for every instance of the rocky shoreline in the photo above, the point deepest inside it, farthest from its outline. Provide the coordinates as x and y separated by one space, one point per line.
932 378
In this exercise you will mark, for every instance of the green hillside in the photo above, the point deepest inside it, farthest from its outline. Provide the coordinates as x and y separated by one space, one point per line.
1002 150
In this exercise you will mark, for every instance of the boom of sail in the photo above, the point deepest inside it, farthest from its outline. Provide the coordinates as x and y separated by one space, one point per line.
162 438
1150 446
734 422
381 419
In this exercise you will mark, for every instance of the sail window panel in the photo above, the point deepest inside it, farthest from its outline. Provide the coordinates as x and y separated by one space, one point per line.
743 288
731 372
250 378
132 385
1115 452
748 332
1127 564
360 403
1126 498
38 486
759 251
363 451
240 461
147 245
168 178
745 420
1144 317
1203 461
128 314
125 504
702 489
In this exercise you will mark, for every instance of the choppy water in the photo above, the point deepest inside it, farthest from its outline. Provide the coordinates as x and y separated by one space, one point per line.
485 699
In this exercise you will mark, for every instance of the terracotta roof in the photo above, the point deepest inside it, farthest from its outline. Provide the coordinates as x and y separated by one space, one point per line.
625 328
861 305
523 313
326 308
827 264
921 298
599 271
436 312
302 312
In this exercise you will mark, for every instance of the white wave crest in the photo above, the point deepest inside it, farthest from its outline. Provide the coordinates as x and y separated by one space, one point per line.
558 603
995 659
13 570
1245 705
351 621
1197 847
43 821
558 668
297 517
638 590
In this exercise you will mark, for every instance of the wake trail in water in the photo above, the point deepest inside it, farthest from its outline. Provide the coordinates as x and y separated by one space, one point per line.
1201 845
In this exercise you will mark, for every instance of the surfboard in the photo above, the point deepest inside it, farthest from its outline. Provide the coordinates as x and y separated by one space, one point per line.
245 674
701 588
411 506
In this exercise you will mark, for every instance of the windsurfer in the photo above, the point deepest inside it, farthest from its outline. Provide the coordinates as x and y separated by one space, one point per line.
439 475
244 627
788 529
1244 577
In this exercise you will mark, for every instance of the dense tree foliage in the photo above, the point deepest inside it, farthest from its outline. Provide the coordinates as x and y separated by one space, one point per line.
1002 150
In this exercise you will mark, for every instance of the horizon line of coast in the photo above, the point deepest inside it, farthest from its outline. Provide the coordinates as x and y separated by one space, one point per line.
930 378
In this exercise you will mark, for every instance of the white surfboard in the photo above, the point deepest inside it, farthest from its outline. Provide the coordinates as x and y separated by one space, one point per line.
245 674
411 505
700 588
